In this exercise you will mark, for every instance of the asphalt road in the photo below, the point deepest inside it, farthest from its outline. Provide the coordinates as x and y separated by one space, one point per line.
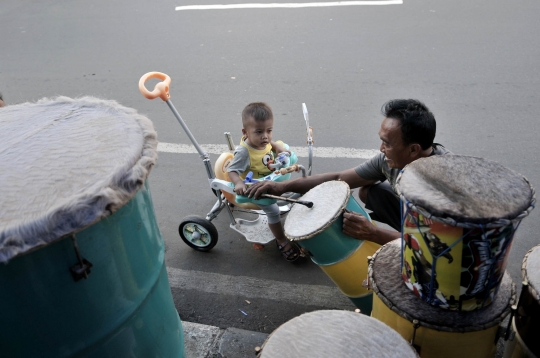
475 64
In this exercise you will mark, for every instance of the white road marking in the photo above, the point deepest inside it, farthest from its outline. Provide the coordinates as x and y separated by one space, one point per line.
318 152
249 287
288 5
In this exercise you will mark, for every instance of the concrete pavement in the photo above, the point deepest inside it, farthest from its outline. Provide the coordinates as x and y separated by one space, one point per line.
202 341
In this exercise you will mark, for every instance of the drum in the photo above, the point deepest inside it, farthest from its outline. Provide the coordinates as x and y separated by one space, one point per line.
82 265
432 331
526 321
459 216
319 231
334 333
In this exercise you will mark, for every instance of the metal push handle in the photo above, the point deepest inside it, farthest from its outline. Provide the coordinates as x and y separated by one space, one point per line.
310 141
161 89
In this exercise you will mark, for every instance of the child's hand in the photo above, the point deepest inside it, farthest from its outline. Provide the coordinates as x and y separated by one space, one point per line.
278 148
240 188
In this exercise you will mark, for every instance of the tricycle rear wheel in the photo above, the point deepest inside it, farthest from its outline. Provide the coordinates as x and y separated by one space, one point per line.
198 233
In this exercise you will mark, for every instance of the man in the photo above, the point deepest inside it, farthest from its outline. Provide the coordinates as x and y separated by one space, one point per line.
2 103
407 133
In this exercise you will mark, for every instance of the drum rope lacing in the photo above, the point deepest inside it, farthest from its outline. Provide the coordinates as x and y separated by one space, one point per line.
492 267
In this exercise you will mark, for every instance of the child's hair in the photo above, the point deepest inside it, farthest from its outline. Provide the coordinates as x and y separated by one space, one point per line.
259 111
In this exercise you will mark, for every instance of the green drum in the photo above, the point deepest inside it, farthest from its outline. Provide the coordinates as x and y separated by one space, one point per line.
83 271
319 231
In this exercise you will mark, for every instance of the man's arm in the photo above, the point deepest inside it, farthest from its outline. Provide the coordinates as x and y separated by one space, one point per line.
302 185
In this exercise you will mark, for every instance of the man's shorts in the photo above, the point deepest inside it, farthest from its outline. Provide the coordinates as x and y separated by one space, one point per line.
384 203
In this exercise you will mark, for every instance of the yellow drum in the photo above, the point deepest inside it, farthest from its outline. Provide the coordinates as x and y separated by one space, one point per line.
319 231
335 334
526 322
432 331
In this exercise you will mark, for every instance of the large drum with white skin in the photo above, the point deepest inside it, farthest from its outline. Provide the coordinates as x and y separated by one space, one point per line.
82 270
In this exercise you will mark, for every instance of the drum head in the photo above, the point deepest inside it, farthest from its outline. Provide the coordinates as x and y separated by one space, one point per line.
329 199
71 163
466 189
385 277
530 271
332 333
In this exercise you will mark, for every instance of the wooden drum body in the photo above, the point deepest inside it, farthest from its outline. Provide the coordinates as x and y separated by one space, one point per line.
319 230
434 332
334 333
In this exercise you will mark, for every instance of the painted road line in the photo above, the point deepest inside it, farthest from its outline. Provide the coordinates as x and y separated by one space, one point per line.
288 5
249 287
318 152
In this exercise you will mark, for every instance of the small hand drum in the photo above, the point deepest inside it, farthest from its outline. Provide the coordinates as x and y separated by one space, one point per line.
459 216
319 230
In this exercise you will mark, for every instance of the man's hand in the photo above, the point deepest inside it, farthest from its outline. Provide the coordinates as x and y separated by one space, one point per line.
264 187
357 226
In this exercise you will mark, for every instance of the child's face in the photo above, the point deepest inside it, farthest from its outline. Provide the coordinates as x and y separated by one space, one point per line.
258 134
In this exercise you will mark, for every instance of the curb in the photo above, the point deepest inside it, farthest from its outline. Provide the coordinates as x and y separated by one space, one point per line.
202 341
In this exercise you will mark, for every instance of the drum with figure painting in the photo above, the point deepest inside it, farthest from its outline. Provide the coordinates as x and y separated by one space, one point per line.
335 333
319 231
82 270
523 336
459 217
435 332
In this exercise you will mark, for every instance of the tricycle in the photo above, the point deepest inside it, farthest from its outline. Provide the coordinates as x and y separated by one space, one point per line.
198 232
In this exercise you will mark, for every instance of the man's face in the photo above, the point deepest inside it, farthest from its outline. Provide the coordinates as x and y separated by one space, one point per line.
397 154
258 134
2 104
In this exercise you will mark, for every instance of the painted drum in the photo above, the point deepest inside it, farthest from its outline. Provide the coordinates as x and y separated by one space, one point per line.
459 217
82 265
526 321
319 231
434 332
334 333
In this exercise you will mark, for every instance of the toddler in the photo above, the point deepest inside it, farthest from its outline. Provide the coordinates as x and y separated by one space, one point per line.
255 152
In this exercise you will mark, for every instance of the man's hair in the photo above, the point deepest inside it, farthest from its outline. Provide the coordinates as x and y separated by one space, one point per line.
259 111
417 122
